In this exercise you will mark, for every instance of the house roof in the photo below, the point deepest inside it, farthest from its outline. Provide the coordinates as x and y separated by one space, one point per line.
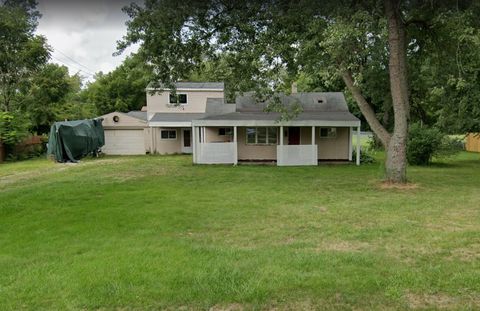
142 115
326 108
274 116
312 101
176 117
193 86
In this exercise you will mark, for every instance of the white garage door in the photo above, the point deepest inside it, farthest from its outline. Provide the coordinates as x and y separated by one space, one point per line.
124 142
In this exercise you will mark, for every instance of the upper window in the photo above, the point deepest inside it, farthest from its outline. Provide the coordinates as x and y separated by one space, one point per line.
168 134
178 99
225 131
261 135
328 132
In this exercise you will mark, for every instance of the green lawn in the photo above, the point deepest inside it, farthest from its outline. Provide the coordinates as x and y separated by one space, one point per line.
155 232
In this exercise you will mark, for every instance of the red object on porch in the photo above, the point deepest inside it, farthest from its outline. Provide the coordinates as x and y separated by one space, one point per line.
294 136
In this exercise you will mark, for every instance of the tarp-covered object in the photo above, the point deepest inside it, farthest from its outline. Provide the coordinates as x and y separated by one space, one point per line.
72 140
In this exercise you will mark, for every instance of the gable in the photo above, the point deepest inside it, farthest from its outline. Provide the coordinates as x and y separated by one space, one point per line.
122 120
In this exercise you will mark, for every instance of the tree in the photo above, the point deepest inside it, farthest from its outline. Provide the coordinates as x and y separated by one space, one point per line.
13 128
123 89
47 91
271 42
22 52
75 105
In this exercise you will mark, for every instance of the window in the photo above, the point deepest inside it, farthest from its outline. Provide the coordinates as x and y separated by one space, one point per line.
168 134
261 135
178 99
328 132
225 131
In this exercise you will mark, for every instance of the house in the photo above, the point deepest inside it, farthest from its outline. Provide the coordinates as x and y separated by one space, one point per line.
199 121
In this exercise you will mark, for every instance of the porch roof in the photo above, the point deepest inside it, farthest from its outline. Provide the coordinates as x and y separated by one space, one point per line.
173 119
326 118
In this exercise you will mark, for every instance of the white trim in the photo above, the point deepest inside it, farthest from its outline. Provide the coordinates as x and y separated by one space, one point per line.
281 135
194 145
350 145
313 135
235 147
358 145
170 124
185 90
168 130
270 123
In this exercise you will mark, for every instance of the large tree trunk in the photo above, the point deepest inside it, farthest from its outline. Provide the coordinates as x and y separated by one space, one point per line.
396 160
395 143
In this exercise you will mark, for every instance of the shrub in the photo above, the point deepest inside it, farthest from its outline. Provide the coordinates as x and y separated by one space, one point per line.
374 143
32 147
424 143
13 128
365 156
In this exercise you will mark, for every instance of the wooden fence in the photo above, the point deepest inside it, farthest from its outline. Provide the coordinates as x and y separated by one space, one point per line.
473 142
32 145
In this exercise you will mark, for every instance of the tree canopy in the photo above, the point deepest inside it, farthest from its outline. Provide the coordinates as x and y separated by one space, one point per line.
123 89
22 52
388 54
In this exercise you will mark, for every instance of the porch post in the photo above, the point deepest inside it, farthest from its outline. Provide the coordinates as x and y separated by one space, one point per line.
358 145
313 135
235 145
281 135
194 145
350 144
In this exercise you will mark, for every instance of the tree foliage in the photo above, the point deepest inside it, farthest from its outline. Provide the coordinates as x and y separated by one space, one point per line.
375 47
123 89
22 52
13 128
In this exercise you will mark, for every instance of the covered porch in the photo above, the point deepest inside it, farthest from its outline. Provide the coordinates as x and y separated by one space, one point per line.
287 144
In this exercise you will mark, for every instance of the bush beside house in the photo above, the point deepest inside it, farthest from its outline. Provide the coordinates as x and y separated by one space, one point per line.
424 143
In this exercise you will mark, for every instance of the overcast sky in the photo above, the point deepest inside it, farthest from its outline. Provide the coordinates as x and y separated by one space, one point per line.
83 34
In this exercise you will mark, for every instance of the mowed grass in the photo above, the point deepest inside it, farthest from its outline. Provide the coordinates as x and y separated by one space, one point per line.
156 232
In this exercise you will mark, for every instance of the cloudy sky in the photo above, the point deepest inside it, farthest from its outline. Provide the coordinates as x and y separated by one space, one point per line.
83 34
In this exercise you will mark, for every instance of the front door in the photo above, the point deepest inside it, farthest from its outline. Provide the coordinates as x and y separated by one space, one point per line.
294 136
186 140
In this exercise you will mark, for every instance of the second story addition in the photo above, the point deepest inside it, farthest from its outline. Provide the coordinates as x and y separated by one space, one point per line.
191 97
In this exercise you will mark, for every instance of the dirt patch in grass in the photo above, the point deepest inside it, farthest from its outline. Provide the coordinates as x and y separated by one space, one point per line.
387 185
342 246
465 254
440 301
228 307
321 209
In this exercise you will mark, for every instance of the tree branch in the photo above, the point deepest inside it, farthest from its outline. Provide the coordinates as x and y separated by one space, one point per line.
366 109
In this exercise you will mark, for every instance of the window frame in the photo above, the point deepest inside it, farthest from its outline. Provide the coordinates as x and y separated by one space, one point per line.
177 102
168 130
267 136
329 130
228 131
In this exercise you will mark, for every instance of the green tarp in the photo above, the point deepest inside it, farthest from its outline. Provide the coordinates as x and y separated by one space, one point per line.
72 140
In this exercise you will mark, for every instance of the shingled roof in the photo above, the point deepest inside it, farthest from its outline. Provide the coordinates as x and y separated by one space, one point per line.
310 102
193 86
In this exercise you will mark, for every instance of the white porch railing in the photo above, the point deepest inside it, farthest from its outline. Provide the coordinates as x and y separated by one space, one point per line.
289 155
216 153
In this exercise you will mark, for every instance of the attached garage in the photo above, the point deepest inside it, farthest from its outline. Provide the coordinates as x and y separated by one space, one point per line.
124 134
124 142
